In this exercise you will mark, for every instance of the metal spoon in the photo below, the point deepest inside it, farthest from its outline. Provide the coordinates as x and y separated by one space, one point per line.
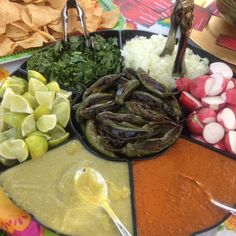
97 194
224 207
209 196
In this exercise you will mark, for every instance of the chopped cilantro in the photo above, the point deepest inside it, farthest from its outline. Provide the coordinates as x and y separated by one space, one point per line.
73 65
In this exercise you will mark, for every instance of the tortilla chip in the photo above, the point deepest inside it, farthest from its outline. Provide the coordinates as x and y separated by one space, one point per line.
74 24
110 18
30 23
57 4
26 20
98 11
7 45
28 1
57 35
22 26
88 5
41 15
9 12
15 33
2 29
57 26
36 40
93 23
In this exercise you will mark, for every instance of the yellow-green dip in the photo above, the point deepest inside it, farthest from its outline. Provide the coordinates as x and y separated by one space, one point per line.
45 187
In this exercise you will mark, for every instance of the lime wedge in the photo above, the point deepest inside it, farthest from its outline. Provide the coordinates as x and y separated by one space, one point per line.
36 85
58 135
18 85
14 119
41 110
17 80
36 75
65 93
37 146
62 111
28 125
19 104
53 86
31 99
45 98
46 123
59 99
14 149
10 133
38 133
3 125
3 88
7 162
6 101
17 88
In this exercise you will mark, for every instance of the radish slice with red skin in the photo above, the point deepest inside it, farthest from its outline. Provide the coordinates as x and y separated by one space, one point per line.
213 132
183 84
233 108
227 119
199 138
215 103
189 102
193 124
200 86
206 115
230 85
220 145
234 81
230 141
230 96
218 85
221 68
223 96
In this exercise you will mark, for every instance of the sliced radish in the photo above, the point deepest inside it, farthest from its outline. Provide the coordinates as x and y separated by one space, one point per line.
218 85
213 132
233 108
199 138
182 84
215 103
227 119
206 115
221 68
220 145
230 96
200 86
230 85
189 102
234 81
193 124
230 141
223 96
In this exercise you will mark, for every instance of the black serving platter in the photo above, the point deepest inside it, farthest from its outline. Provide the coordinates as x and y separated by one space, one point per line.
123 36
76 133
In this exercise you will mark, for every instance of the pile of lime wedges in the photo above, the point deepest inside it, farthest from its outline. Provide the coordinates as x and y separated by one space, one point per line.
33 117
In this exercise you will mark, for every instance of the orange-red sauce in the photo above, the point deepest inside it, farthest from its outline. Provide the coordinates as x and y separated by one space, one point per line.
172 191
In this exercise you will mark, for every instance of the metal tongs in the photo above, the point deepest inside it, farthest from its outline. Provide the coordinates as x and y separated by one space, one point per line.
81 15
181 18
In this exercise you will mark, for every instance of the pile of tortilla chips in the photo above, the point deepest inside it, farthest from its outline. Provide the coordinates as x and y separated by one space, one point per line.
31 23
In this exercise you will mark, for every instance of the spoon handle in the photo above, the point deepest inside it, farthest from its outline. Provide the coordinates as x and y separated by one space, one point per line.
223 206
120 226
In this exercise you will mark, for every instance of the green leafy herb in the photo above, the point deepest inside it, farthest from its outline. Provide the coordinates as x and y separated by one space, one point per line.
73 65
